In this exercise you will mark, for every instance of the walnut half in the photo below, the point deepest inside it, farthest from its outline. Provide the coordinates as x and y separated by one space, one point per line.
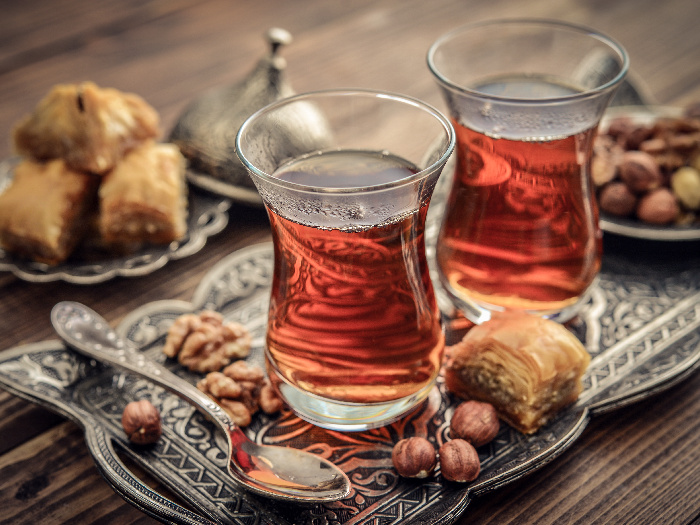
204 343
241 390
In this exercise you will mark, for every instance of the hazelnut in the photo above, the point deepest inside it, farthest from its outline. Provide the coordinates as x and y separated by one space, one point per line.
658 207
685 183
459 461
141 422
414 457
616 199
475 422
640 171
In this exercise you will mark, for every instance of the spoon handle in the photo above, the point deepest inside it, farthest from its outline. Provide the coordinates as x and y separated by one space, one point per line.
88 333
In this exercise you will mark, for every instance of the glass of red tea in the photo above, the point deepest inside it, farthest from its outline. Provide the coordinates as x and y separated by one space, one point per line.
354 337
520 230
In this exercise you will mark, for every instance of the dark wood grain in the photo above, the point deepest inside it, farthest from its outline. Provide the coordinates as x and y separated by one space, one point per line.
21 421
52 479
640 465
636 465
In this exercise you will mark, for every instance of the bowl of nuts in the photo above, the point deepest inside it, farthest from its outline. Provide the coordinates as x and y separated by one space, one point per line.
646 171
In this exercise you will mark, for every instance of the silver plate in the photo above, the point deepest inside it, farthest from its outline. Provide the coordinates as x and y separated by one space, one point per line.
638 230
247 195
630 227
641 326
208 215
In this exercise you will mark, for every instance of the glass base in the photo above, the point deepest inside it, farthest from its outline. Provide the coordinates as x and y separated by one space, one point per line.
479 312
345 416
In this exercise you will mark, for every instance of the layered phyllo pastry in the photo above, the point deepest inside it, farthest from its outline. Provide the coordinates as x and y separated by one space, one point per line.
144 198
527 367
92 179
91 128
45 209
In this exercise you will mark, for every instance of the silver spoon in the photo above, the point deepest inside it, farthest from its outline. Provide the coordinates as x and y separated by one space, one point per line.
273 471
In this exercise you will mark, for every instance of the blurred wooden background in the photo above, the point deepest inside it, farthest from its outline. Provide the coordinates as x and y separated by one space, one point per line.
641 465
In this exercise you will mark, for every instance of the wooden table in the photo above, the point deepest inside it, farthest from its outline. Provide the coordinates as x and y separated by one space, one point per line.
640 465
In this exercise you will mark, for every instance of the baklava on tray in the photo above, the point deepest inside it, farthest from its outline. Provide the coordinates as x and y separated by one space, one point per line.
144 198
527 367
45 209
91 128
78 138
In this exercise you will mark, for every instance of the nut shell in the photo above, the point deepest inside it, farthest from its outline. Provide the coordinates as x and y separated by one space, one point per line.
459 461
617 199
475 422
141 422
414 457
640 171
658 207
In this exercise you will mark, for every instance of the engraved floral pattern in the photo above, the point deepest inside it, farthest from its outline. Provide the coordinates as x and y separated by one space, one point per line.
643 335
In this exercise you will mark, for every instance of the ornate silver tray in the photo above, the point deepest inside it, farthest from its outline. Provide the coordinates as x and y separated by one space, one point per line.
641 325
208 215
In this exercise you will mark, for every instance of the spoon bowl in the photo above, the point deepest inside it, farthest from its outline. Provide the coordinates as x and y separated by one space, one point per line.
273 471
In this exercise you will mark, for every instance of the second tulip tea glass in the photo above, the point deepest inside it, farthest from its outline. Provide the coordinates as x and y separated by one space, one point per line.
521 230
354 339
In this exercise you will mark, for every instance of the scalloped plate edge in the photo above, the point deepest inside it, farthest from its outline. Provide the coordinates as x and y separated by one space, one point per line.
211 219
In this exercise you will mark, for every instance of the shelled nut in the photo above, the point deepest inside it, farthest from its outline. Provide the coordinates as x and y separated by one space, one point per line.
414 457
141 422
459 461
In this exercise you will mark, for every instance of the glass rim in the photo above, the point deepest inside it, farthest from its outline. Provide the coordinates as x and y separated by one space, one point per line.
406 99
532 22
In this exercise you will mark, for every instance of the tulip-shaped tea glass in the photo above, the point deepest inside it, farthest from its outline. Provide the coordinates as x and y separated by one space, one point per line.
520 231
354 339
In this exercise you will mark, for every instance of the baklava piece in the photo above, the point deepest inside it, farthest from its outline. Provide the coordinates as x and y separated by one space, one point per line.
527 367
144 198
89 127
93 247
44 210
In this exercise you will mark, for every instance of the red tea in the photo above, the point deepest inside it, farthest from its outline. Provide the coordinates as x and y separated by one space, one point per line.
521 226
353 316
